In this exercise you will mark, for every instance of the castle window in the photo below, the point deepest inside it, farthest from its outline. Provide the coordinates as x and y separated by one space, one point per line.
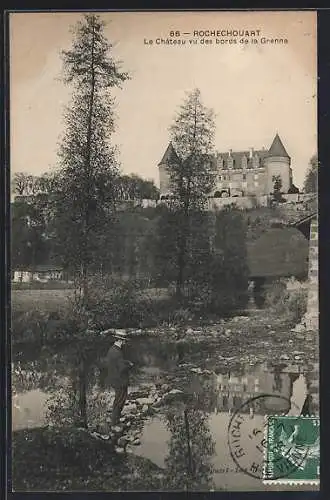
256 161
230 162
255 177
244 162
244 177
220 177
220 162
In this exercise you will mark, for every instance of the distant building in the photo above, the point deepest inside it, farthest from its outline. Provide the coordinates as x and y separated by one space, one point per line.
240 173
41 273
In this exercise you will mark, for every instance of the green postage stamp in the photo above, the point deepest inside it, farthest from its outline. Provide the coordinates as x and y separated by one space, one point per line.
292 451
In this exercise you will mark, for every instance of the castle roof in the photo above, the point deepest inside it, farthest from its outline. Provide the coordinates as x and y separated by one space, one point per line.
277 148
170 156
239 155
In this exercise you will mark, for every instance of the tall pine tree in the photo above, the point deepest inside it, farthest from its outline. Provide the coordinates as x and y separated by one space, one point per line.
86 182
192 176
89 169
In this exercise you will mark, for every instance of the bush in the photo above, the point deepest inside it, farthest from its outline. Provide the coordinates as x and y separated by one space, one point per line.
290 304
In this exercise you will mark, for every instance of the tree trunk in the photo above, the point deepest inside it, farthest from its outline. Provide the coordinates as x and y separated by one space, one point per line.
180 276
182 252
190 463
82 394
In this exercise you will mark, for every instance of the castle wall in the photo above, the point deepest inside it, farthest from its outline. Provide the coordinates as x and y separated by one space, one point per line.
243 181
244 202
256 182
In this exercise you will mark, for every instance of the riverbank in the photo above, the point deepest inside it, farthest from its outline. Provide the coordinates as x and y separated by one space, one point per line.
69 459
218 365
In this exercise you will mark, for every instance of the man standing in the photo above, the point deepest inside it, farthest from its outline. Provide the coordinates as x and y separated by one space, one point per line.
118 374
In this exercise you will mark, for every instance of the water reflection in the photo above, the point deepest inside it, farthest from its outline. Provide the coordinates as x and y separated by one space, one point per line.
191 448
230 390
190 440
214 398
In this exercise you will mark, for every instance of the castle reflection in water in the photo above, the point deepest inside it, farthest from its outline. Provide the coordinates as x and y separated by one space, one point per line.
227 392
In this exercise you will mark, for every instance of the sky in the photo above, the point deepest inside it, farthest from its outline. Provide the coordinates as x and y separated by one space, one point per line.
256 90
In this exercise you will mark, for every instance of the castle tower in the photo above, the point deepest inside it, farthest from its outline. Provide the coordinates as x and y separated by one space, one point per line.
169 157
277 162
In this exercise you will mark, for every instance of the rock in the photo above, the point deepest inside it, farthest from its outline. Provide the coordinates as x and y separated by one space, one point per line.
145 401
189 331
165 387
136 442
122 441
196 370
104 437
117 429
299 328
130 408
172 395
122 419
119 449
145 408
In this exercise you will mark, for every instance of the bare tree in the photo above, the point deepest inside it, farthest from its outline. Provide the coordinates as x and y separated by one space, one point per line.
20 183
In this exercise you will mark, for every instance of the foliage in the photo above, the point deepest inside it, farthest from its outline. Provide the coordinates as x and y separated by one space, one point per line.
116 303
133 187
277 193
221 285
311 180
191 448
216 273
30 245
289 304
167 247
133 256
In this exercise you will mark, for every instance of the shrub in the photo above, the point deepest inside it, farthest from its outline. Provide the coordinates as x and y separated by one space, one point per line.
290 304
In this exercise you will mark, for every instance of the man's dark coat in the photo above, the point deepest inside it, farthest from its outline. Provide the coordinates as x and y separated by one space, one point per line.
117 367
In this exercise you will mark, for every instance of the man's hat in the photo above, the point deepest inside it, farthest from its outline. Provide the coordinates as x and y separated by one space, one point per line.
120 335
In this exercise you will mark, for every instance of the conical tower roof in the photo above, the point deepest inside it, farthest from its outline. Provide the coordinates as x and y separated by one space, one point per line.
170 156
277 148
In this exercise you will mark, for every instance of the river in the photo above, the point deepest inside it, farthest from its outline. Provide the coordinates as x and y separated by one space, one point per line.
217 396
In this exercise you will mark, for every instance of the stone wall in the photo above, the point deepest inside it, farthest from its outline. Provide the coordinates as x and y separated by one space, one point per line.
312 316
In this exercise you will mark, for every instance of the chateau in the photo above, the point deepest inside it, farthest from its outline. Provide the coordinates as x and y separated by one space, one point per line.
240 173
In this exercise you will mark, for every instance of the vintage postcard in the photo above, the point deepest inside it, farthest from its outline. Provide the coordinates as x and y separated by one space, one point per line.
164 259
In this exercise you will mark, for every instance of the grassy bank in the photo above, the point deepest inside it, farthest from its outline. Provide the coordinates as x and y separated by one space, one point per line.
50 459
